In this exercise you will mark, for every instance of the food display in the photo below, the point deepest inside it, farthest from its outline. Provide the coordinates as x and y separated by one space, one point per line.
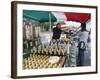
56 54
41 61
55 48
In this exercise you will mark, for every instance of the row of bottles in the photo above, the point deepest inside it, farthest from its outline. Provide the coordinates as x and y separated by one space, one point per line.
41 61
57 42
56 47
50 49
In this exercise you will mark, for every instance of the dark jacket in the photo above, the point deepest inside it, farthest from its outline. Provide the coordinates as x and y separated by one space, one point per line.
56 33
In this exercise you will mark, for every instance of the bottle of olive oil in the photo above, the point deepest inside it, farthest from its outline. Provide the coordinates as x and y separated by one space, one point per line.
34 50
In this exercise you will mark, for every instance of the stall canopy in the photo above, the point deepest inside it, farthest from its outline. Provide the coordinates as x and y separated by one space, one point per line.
78 17
40 16
53 16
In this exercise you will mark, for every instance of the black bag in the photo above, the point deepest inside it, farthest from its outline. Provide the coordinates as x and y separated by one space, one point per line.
82 45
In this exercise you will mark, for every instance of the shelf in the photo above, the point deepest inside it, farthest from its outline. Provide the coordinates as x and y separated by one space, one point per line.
51 54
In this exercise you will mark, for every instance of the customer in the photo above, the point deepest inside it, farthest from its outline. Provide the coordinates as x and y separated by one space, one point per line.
83 37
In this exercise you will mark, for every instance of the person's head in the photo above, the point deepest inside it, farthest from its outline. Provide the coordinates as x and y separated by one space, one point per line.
83 27
58 25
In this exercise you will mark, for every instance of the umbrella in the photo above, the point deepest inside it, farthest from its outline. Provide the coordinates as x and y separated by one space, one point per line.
40 16
78 17
60 16
46 16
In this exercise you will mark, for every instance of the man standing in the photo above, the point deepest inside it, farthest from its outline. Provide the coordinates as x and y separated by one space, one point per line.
57 31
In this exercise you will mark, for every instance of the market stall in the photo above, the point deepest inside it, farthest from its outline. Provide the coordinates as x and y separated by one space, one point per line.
51 53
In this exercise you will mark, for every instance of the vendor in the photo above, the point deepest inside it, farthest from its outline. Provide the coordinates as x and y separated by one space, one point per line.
57 31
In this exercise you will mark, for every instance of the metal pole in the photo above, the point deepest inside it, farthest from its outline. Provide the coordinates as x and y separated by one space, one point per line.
50 25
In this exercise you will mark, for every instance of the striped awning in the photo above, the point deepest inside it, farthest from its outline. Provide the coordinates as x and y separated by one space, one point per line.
43 16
